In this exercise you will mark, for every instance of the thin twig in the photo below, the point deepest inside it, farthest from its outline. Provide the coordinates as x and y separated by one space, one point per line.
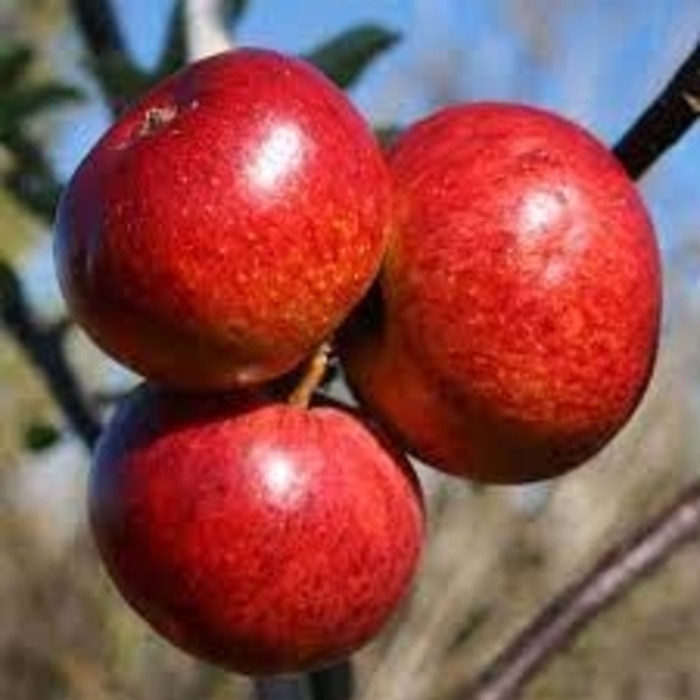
665 121
44 348
100 30
557 623
206 31
668 117
99 27
43 345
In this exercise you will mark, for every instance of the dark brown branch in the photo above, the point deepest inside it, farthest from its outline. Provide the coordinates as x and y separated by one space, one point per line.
101 32
668 117
336 682
289 688
99 27
558 622
665 121
44 348
103 38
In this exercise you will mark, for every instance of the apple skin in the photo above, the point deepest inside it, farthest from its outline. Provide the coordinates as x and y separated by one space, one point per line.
226 224
519 299
261 537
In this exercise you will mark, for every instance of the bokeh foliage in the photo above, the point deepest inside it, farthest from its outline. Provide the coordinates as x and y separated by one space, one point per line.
494 554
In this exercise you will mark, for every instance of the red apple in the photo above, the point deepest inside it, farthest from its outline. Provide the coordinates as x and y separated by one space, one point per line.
226 224
263 537
521 296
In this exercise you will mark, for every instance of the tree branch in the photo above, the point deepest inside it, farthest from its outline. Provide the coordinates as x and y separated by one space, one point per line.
103 38
336 682
666 119
557 623
44 348
206 33
99 27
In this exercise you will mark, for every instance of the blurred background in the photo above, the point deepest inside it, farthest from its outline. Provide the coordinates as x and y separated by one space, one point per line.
495 555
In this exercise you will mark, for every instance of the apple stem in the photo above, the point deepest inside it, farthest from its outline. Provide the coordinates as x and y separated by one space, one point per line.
316 369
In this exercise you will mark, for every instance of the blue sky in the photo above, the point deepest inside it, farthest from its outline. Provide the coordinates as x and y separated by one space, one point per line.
604 66
600 75
287 26
604 69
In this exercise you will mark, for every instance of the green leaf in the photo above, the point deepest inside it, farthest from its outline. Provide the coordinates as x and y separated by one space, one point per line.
14 61
174 53
119 77
39 437
37 190
344 58
10 288
30 178
22 103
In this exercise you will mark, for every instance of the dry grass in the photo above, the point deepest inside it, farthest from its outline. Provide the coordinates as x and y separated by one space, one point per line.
494 556
493 560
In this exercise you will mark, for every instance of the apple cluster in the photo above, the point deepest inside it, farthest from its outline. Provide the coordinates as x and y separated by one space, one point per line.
490 284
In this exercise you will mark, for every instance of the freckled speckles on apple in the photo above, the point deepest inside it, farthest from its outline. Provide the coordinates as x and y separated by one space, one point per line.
254 548
523 280
273 182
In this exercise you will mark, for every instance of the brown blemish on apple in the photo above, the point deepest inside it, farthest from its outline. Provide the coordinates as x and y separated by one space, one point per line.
155 119
184 207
